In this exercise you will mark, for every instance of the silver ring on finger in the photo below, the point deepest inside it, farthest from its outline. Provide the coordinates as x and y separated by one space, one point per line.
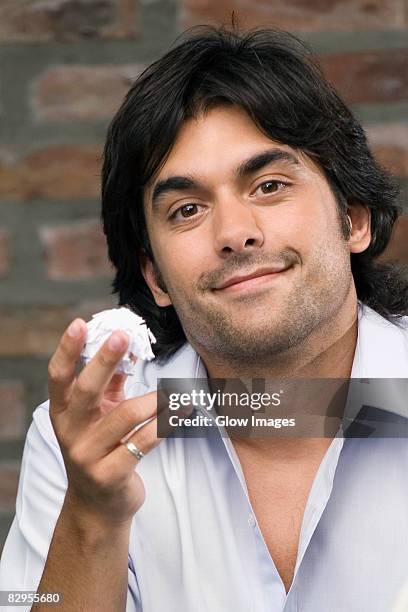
134 450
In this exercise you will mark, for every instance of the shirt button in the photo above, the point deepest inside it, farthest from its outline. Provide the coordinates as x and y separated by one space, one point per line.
251 520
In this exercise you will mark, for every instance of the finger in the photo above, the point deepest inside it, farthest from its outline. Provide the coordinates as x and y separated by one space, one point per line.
96 375
114 390
61 367
121 423
145 439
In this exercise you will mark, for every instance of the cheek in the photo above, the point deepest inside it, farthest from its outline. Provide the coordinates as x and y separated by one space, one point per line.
177 268
289 228
319 225
185 255
306 228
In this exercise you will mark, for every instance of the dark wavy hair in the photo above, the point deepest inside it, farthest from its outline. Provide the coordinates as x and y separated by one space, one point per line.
274 77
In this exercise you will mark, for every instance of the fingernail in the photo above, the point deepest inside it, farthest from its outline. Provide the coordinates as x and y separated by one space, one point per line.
74 329
116 342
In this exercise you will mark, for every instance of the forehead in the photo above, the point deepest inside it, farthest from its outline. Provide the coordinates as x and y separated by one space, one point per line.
213 145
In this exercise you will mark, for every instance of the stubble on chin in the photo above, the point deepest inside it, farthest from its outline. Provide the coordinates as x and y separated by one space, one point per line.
251 338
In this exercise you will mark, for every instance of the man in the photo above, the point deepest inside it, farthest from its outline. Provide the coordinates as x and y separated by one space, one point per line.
243 212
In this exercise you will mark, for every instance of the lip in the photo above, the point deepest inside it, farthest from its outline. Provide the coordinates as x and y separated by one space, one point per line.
263 274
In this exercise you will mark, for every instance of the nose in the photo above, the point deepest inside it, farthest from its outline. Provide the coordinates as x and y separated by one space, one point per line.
235 227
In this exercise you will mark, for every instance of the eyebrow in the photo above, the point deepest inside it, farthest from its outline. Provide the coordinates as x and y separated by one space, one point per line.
253 164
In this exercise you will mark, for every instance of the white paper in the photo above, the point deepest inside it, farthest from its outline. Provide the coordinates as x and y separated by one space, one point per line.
101 326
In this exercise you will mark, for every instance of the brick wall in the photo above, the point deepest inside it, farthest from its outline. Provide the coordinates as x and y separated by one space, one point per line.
64 68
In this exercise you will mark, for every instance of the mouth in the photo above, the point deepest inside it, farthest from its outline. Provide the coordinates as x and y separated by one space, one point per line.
257 279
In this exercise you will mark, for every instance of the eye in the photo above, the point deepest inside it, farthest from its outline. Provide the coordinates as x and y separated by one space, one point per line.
189 210
270 186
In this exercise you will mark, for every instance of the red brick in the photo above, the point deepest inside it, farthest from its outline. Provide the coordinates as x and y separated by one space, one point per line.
369 76
70 20
82 92
9 178
12 410
397 249
75 251
4 252
298 14
56 172
389 142
9 474
36 332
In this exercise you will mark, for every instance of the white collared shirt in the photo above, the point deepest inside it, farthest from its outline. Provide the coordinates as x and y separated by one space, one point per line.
195 544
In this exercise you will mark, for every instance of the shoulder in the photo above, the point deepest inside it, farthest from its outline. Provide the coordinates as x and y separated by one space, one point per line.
42 431
395 328
382 344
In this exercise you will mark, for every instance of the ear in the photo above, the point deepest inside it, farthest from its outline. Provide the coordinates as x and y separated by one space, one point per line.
360 234
153 280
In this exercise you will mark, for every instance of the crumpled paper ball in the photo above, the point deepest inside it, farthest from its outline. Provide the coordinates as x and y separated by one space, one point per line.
105 322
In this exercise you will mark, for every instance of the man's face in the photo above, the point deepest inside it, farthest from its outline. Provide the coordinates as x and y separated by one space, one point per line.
243 204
